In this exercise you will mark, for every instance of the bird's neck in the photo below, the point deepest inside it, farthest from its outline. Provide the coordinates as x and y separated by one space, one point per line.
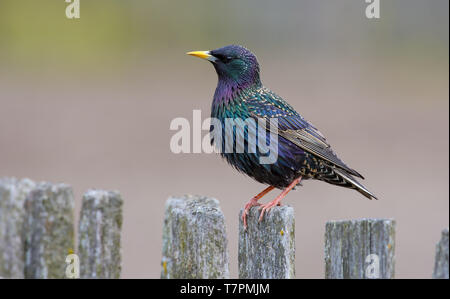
229 92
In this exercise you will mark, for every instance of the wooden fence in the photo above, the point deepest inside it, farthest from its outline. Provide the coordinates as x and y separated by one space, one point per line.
37 232
37 239
195 244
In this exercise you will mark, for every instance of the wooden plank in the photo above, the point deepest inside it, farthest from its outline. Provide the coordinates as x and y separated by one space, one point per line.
194 239
49 231
99 234
441 259
358 249
12 216
267 248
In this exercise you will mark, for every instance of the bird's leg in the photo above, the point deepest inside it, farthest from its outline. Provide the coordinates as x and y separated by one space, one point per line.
254 202
276 201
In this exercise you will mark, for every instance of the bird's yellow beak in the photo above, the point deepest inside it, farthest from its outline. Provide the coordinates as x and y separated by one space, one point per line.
202 54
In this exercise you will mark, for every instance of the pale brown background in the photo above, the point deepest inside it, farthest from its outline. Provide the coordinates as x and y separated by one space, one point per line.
89 102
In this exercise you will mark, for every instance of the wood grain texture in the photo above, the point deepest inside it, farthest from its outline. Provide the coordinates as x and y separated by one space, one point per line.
12 216
49 230
267 248
441 259
99 234
358 249
194 239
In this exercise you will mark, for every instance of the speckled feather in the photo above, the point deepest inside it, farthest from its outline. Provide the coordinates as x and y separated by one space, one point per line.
302 149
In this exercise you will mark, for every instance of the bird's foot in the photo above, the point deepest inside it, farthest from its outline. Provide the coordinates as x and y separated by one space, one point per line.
277 201
266 208
252 203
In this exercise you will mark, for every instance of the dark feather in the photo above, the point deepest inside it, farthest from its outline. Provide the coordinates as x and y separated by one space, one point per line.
293 127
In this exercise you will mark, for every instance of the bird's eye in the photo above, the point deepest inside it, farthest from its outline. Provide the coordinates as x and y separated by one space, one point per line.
227 59
223 58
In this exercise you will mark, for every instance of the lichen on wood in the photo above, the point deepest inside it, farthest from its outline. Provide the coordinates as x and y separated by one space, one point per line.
194 239
358 249
267 248
48 229
12 216
441 258
99 234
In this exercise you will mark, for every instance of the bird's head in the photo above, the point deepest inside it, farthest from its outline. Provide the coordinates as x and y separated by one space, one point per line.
232 63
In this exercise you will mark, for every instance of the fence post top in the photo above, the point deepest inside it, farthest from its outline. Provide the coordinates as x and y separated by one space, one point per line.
194 203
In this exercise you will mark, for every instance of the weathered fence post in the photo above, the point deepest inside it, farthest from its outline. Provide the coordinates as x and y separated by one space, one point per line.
267 248
359 249
99 247
12 216
49 234
194 239
441 260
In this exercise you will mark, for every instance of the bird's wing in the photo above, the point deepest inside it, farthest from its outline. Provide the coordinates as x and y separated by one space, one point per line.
293 127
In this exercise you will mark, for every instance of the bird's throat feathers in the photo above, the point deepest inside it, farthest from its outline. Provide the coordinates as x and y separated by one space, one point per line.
228 89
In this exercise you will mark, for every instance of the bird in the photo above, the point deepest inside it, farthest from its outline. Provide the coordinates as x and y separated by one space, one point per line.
303 151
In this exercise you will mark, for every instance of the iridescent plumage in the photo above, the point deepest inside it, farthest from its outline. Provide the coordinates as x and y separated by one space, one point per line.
303 152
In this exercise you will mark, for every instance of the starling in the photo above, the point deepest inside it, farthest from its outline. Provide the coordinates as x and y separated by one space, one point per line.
303 152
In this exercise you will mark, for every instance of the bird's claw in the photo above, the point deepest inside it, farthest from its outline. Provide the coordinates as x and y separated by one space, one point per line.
252 203
266 208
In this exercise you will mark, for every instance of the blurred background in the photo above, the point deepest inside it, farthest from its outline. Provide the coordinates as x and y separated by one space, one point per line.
89 102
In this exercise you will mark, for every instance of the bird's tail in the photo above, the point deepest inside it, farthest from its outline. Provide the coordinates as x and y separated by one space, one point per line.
354 183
